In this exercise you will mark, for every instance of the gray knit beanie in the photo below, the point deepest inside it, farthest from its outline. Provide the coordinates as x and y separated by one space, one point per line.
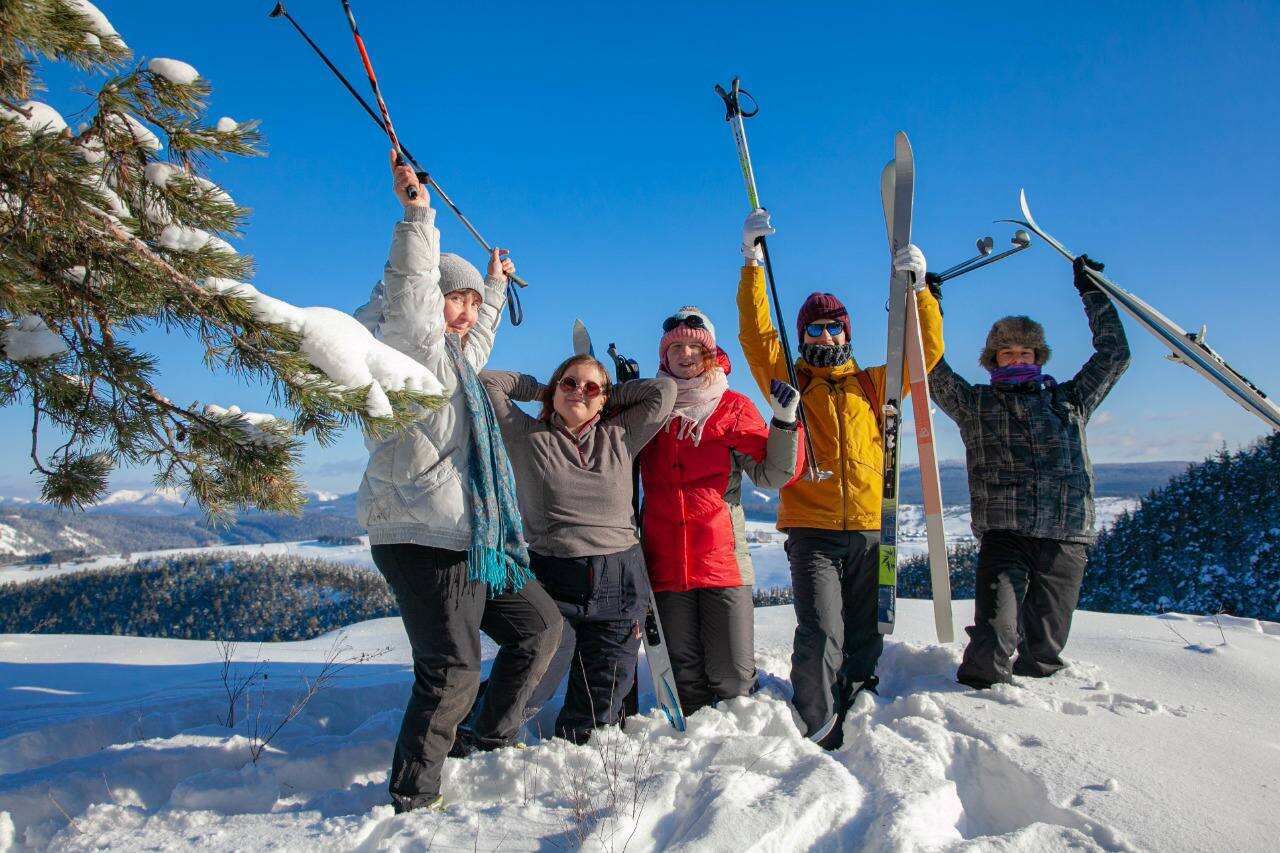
458 274
1014 331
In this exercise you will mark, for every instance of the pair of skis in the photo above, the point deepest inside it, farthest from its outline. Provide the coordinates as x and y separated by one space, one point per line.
655 641
906 348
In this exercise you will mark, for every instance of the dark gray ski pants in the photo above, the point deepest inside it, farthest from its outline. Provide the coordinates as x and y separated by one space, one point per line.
443 615
837 644
602 599
711 641
1027 591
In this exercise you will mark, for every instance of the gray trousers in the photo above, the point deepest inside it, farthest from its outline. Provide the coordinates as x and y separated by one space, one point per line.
711 642
1027 590
443 615
837 644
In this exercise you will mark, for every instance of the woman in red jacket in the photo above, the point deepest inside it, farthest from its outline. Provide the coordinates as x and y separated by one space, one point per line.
692 522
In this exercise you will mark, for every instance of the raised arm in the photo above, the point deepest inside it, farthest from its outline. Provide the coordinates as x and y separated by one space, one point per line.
504 388
641 407
480 338
412 307
951 391
930 314
759 338
1110 345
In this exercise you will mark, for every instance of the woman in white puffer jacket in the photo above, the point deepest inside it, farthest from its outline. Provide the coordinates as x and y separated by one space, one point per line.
445 535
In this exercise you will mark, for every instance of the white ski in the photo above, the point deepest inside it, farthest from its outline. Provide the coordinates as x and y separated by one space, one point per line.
1187 348
939 567
918 378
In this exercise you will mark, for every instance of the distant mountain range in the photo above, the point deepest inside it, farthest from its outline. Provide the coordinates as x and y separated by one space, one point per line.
144 520
1113 480
150 520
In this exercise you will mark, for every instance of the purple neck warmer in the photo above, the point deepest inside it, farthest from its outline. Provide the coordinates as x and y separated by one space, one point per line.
1015 374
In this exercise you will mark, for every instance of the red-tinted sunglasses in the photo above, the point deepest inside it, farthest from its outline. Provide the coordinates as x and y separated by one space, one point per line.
589 389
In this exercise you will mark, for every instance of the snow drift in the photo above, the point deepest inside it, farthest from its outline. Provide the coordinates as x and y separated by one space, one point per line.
1160 735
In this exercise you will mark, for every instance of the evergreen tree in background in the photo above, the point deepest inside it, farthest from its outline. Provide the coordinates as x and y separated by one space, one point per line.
114 228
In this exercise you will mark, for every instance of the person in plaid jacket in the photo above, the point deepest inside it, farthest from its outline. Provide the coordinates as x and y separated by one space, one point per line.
1030 485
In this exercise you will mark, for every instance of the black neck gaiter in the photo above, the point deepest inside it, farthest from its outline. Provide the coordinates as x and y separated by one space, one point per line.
826 355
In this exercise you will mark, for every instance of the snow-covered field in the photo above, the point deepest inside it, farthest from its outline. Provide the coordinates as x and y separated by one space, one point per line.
1160 735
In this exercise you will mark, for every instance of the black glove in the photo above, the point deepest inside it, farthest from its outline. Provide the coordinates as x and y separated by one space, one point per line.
934 282
1082 280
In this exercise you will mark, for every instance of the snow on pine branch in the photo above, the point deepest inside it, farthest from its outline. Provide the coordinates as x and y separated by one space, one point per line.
36 117
174 70
29 338
340 347
99 26
184 238
261 429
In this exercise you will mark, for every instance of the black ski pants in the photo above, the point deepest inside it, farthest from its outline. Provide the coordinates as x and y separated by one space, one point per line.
711 641
443 615
837 643
603 601
1027 591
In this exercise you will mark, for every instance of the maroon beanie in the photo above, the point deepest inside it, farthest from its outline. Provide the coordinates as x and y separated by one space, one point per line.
823 306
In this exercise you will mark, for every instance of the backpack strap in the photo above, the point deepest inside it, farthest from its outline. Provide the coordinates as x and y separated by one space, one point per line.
869 391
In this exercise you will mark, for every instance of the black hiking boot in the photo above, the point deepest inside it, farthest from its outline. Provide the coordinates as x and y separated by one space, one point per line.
833 738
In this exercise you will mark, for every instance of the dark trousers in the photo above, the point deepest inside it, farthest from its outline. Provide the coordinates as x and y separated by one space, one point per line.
837 644
443 615
1027 590
711 641
602 600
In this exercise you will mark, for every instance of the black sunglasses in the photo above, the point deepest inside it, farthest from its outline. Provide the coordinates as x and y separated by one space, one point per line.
693 321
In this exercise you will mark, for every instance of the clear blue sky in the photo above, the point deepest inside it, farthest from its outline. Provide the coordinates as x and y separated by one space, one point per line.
590 143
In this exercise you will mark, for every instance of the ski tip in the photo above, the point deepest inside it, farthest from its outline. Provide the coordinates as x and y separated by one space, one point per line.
1022 202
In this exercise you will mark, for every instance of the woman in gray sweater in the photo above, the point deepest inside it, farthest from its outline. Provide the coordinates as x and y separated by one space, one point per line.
573 473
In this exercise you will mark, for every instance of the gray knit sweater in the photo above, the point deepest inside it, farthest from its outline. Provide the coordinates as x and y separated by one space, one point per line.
575 491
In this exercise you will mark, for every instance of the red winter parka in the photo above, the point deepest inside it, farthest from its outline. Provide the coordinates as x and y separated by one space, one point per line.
693 527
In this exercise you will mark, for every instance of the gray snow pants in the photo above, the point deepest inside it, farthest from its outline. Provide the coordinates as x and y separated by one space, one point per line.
837 643
443 615
711 641
1027 590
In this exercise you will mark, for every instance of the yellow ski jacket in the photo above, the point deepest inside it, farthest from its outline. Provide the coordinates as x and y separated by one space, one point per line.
844 429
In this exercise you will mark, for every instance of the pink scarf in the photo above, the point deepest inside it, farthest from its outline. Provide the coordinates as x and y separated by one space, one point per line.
696 399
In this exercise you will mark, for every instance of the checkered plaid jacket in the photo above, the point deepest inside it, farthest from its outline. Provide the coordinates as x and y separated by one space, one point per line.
1029 468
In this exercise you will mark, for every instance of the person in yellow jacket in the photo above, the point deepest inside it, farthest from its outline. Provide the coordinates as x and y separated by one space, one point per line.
832 525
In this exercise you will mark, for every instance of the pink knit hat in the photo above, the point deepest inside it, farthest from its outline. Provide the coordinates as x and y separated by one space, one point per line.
823 306
702 332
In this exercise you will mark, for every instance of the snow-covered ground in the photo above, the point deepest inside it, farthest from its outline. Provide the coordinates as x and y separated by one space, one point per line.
1160 735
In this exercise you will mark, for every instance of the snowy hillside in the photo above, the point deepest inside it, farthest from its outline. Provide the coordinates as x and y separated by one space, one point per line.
1147 741
769 559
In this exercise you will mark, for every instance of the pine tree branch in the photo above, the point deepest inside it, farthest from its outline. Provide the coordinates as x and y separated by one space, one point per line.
35 434
22 111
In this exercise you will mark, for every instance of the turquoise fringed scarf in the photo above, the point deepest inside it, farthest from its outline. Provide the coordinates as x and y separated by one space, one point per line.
498 555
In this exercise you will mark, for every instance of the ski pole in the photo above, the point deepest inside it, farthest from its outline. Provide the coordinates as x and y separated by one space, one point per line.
735 115
1021 240
377 93
517 315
